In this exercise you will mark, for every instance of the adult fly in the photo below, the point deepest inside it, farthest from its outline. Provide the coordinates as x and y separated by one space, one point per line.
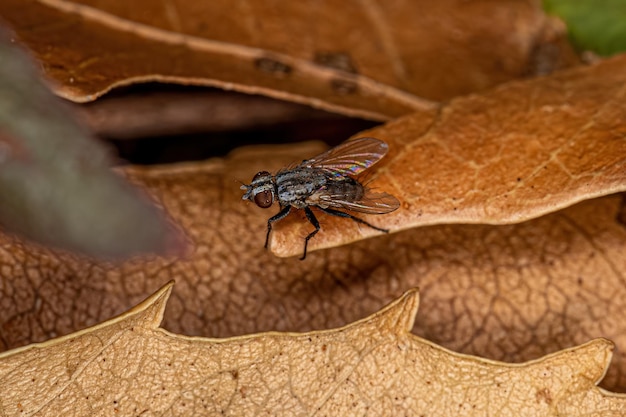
326 182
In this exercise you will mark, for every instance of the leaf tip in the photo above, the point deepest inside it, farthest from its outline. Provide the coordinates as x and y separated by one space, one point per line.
400 314
590 360
596 354
152 308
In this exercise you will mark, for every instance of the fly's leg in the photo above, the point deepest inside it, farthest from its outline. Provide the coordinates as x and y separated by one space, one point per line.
350 216
311 217
283 213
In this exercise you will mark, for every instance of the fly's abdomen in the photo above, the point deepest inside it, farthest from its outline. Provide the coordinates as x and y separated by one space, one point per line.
344 188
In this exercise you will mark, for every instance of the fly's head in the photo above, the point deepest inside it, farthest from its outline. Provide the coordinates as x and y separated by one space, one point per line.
260 190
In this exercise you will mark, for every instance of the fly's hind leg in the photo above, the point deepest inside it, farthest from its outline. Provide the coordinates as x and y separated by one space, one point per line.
350 216
311 217
283 213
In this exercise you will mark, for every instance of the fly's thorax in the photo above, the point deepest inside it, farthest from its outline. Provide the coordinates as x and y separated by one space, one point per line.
295 185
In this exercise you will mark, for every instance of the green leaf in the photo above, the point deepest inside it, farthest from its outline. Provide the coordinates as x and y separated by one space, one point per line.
595 25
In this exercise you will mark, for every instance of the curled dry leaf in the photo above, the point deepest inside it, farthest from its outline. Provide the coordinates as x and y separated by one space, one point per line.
358 58
512 292
517 152
375 366
150 114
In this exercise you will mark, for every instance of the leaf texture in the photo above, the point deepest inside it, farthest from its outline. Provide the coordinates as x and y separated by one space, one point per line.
129 365
517 152
511 293
358 58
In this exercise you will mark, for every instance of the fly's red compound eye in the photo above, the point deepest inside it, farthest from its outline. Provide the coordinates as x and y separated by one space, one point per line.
264 199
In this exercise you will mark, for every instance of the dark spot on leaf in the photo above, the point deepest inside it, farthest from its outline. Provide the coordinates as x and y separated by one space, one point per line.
335 60
344 87
545 58
543 395
273 66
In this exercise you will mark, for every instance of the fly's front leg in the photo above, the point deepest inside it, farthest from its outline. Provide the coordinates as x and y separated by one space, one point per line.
283 213
311 217
350 216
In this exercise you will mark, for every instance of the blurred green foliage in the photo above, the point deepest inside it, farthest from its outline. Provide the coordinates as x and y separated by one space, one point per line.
594 25
56 182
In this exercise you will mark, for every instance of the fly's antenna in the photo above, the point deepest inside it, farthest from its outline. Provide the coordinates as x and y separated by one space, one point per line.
245 187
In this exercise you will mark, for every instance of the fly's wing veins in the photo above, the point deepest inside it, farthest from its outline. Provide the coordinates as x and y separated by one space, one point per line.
370 203
350 158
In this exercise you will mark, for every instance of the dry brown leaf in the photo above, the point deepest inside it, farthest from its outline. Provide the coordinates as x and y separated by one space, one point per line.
359 58
512 293
130 366
509 292
517 152
162 113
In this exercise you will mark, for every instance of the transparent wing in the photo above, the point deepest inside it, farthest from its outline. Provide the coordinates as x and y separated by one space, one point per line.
349 158
370 203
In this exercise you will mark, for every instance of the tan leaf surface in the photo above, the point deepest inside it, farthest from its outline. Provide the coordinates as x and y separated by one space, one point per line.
129 366
357 57
517 152
512 293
